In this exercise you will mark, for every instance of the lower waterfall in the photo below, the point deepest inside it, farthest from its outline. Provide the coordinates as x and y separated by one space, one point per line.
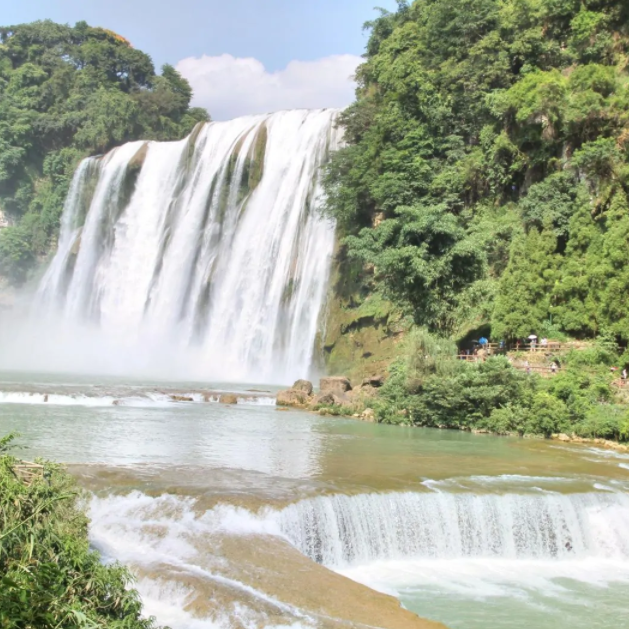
212 248
344 530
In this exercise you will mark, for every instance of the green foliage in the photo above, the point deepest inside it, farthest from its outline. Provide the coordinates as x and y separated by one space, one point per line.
605 422
523 299
424 258
429 355
429 386
548 415
67 93
440 391
487 157
50 577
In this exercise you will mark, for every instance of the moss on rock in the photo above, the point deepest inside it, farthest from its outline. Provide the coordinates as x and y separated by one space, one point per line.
363 330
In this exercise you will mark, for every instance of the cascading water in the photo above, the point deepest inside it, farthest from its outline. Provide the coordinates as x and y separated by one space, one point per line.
212 247
343 530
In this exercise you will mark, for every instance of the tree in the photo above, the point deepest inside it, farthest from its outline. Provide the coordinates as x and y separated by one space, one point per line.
482 127
67 93
424 258
524 298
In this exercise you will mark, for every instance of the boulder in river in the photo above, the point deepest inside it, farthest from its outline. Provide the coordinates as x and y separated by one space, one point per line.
336 385
228 398
323 399
292 397
368 415
303 385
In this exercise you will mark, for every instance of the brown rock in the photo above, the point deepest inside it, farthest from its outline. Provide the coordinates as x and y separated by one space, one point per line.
366 392
344 402
374 381
303 385
291 398
337 385
325 399
181 398
137 161
228 398
369 415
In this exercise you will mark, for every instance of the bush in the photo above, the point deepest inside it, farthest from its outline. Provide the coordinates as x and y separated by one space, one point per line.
580 390
605 422
548 415
508 420
464 399
50 577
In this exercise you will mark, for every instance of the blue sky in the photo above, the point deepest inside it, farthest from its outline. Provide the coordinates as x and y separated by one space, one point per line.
241 56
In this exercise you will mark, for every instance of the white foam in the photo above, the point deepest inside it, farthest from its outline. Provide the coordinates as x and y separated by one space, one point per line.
167 602
257 401
486 578
148 400
56 399
145 531
523 482
341 531
464 545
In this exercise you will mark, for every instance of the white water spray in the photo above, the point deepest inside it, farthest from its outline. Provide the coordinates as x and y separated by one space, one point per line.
344 530
209 252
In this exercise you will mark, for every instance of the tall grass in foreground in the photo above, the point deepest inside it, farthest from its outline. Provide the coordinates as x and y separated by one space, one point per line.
49 576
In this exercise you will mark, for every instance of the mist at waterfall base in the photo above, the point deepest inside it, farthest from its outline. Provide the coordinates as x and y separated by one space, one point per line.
204 259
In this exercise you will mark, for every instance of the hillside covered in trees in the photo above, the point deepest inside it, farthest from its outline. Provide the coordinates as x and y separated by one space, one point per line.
67 93
485 182
484 191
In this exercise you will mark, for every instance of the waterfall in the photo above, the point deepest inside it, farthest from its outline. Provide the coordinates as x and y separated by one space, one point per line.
348 530
211 248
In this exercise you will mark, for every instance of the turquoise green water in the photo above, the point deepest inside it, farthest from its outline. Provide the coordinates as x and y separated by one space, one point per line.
506 533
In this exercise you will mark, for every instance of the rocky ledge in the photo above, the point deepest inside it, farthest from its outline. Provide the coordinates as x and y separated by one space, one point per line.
335 396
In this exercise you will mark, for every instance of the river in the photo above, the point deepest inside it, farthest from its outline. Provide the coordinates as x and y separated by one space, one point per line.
248 516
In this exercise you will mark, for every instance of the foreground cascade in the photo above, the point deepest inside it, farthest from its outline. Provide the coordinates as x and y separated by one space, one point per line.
213 244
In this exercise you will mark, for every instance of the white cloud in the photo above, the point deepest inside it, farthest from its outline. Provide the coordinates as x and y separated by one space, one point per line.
229 86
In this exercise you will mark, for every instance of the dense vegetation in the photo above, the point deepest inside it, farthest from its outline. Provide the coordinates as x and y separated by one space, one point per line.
486 177
49 577
430 387
66 93
484 190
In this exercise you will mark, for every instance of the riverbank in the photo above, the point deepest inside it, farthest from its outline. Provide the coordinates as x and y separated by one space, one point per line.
244 516
428 386
50 576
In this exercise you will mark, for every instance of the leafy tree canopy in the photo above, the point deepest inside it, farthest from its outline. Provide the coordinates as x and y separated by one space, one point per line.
488 144
67 93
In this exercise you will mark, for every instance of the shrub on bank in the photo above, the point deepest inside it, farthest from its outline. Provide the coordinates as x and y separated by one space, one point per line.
466 398
605 421
50 578
495 397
